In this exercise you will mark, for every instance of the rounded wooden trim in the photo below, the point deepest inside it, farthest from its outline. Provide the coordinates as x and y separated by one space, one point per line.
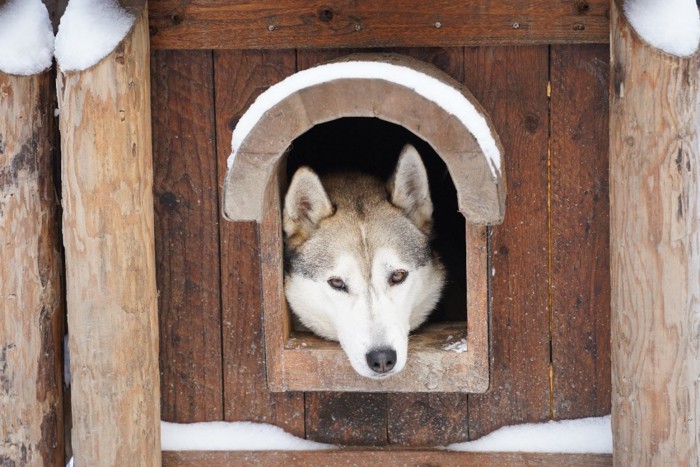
469 146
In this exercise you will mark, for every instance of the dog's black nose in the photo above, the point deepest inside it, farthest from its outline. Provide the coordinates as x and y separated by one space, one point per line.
381 360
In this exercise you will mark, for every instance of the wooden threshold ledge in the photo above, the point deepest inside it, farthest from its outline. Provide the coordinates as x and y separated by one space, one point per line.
379 456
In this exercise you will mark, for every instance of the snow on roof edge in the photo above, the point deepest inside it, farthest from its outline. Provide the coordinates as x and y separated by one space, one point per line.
448 98
672 26
89 31
27 39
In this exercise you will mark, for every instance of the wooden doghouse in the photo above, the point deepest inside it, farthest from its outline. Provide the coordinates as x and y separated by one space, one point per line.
548 81
403 91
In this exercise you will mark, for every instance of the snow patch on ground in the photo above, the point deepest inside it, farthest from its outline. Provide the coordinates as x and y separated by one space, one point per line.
232 436
445 96
585 435
89 31
670 25
26 37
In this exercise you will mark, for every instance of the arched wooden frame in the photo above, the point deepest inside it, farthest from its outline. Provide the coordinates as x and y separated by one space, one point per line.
254 186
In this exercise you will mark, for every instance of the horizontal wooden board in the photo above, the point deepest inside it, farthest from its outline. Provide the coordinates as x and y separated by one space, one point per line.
269 24
384 457
313 364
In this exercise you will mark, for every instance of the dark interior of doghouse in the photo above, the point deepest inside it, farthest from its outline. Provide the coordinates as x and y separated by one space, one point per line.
372 146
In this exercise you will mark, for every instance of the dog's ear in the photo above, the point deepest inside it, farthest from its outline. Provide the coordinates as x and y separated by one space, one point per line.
409 190
305 205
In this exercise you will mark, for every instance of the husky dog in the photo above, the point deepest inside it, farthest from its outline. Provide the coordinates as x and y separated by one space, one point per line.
359 267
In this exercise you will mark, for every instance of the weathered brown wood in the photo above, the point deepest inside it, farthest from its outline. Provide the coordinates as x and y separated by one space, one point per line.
187 238
511 84
387 457
31 303
655 252
348 419
580 231
107 182
427 419
240 77
315 364
265 24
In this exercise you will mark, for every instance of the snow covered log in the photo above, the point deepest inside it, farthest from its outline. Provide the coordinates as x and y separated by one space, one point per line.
31 318
655 240
107 178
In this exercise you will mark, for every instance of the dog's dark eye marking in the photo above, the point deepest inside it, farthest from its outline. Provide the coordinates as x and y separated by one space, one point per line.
338 284
398 277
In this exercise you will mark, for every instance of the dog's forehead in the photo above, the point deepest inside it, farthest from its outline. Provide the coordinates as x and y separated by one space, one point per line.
339 238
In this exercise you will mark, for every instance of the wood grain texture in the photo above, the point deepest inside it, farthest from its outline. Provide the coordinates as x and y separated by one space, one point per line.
511 84
314 364
347 418
655 252
580 231
31 296
378 457
265 24
107 179
187 236
240 77
427 419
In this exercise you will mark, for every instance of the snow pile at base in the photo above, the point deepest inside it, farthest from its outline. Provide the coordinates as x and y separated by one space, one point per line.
670 25
232 436
89 31
586 435
445 96
26 37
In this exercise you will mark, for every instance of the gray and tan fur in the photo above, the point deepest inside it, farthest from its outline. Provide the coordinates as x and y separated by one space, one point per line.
359 267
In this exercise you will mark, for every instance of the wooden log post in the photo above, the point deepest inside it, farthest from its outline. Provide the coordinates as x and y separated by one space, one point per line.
107 178
31 310
655 251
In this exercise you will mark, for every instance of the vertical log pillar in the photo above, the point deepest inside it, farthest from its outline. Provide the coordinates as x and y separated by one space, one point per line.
107 178
31 318
655 252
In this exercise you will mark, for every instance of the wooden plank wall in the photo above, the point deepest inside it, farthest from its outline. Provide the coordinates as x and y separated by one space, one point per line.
274 24
550 320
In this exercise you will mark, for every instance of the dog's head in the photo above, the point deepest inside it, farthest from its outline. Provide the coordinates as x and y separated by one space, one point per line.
359 268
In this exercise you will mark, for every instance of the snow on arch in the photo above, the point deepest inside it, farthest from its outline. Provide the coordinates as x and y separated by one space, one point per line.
390 87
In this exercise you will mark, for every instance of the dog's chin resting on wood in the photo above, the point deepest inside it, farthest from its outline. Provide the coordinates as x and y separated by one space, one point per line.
358 264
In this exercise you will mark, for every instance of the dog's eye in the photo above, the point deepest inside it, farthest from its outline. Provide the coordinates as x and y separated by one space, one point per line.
338 284
398 277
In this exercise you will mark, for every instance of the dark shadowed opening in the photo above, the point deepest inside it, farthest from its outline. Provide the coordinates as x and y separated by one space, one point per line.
372 146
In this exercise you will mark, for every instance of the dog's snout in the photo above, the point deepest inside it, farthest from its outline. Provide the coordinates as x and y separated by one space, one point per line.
381 360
